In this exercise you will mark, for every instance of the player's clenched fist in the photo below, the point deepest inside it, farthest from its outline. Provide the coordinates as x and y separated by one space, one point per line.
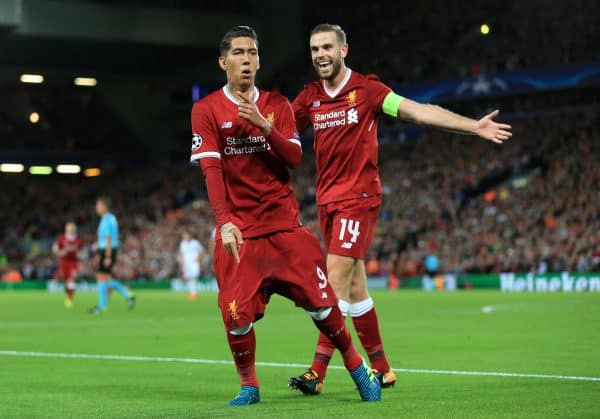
232 239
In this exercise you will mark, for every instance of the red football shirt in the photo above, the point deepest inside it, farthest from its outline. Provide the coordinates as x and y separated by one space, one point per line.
257 183
71 244
345 134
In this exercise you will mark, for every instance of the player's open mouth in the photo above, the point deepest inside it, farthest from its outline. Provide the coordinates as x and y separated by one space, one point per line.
246 73
323 65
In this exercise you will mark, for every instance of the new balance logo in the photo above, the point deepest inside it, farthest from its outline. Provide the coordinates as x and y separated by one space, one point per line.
227 124
316 104
352 116
346 245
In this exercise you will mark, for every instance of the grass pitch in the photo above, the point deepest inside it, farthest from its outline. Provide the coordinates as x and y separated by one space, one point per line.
483 331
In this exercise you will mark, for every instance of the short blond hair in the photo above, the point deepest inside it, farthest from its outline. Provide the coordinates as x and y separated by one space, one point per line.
328 27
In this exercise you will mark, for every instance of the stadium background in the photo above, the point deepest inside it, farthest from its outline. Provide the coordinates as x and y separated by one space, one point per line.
524 216
528 206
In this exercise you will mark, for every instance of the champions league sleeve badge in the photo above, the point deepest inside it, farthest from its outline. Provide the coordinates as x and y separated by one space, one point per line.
196 141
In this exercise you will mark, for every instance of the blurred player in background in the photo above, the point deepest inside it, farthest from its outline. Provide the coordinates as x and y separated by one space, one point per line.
261 248
68 247
191 256
108 246
342 108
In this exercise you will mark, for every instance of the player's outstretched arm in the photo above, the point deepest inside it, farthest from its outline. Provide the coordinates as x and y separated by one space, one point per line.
438 117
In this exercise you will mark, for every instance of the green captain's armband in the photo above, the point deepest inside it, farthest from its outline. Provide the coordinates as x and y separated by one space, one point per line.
390 104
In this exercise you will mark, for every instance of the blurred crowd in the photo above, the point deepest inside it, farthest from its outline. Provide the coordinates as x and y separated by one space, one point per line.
529 205
153 206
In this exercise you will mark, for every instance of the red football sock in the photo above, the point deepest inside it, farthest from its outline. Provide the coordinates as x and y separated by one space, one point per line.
243 349
325 349
70 290
367 329
335 328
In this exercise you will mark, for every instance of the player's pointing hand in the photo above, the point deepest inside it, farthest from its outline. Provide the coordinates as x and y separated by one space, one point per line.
232 239
248 111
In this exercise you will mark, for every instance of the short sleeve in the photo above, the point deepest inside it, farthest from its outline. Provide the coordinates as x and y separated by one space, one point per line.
204 135
377 93
301 112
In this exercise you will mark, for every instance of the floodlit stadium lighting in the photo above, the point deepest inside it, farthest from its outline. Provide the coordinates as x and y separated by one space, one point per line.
34 117
92 172
485 29
32 78
40 170
68 168
11 167
85 81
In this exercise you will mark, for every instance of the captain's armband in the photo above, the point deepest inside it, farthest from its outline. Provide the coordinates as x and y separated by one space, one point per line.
391 103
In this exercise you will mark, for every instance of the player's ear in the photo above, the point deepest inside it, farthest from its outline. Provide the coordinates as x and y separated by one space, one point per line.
344 50
257 63
223 63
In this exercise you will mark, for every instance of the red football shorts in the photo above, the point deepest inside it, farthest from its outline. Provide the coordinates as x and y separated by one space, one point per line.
347 226
67 270
289 263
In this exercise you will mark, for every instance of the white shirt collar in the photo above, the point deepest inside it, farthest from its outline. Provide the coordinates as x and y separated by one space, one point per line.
333 93
232 98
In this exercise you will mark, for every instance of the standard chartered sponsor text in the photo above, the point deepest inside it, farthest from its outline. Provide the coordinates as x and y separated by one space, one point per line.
330 115
246 145
329 120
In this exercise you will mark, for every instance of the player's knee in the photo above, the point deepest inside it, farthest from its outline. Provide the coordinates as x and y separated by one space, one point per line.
241 331
340 265
320 314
